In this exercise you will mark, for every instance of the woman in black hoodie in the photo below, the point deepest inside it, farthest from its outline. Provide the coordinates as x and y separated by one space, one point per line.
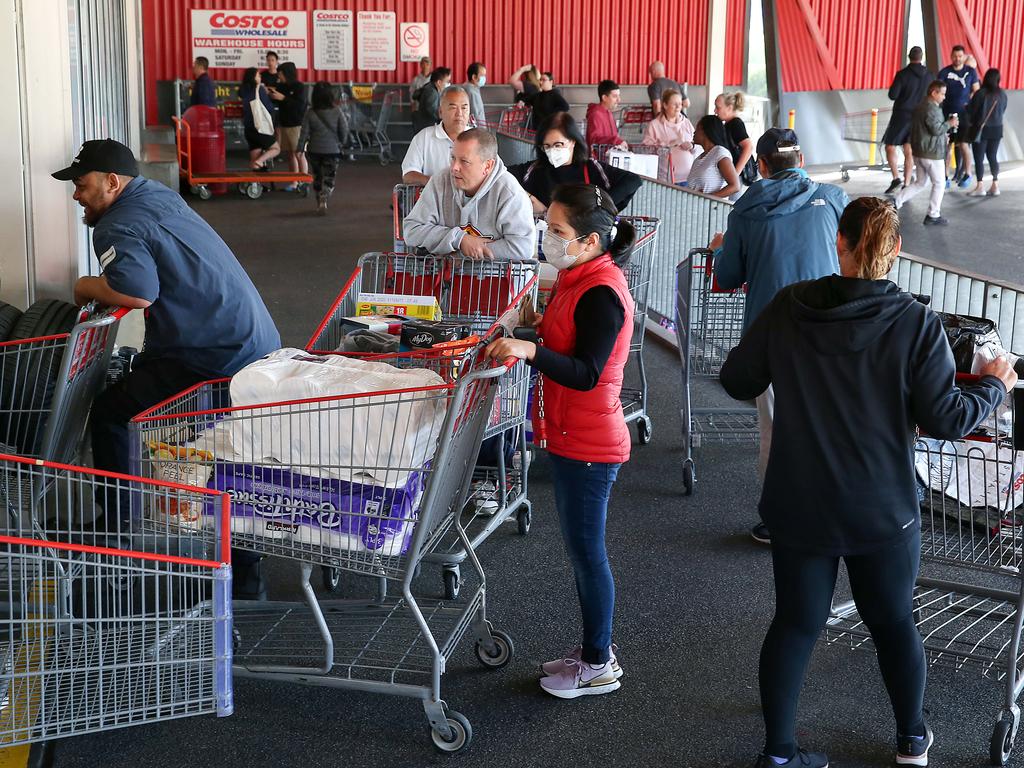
857 365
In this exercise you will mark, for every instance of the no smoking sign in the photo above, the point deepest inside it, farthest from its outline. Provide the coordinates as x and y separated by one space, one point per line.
415 41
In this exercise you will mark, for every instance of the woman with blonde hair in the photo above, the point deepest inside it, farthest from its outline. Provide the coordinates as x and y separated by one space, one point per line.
857 366
727 108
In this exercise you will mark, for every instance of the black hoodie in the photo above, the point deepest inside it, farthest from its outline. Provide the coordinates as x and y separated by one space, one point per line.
909 87
856 366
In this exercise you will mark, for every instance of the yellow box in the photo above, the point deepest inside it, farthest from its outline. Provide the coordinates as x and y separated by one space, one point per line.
421 307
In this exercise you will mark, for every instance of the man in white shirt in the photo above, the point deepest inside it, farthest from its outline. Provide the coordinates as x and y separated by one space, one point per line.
430 150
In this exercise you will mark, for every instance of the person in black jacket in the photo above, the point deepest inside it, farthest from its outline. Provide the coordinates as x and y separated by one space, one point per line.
545 102
203 92
985 116
290 95
563 157
857 365
908 89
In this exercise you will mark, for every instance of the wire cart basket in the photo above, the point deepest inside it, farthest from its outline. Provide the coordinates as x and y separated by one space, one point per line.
863 128
708 324
403 198
479 294
97 635
633 121
368 127
305 487
969 598
602 152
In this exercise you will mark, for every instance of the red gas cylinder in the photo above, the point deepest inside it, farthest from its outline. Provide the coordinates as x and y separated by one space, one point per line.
208 143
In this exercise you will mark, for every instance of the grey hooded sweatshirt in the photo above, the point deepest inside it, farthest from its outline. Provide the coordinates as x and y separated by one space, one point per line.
499 211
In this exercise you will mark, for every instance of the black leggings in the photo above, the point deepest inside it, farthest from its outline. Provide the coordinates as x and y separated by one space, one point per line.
987 145
882 584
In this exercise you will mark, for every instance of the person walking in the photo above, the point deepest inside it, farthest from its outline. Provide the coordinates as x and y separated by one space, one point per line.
782 231
584 344
961 81
986 112
857 366
323 136
928 138
909 88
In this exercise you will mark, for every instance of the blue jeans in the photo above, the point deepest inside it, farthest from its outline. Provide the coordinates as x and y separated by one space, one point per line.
582 490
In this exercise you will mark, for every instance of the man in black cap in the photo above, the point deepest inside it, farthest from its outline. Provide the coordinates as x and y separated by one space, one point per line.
781 231
204 317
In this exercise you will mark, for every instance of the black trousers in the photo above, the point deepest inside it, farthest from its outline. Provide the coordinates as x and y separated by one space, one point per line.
987 146
883 585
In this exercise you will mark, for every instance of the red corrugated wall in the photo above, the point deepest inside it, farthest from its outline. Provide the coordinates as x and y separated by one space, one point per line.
863 39
991 30
581 41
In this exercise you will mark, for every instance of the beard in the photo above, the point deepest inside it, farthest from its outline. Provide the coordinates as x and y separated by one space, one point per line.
90 219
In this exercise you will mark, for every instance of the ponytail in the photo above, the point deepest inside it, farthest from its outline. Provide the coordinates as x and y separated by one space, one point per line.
591 209
871 228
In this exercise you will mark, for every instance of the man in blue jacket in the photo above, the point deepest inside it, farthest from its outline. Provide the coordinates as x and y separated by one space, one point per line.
204 317
781 231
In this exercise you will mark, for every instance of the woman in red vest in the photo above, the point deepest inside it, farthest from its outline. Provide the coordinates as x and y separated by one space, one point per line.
582 349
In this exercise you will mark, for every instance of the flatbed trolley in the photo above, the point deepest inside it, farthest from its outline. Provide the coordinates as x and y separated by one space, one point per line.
708 323
248 182
419 450
969 597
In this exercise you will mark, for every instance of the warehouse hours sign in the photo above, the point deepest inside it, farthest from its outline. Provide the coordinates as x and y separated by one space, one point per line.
241 38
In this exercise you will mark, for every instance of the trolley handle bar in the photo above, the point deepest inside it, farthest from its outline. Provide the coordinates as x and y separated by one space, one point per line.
126 554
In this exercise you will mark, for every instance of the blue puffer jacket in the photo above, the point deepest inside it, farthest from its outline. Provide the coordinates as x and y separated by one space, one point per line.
782 231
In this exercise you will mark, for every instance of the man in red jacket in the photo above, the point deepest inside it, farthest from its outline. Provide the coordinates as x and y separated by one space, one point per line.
601 127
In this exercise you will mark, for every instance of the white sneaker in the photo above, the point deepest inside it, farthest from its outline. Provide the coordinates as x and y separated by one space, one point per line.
993 191
485 497
556 666
577 678
976 192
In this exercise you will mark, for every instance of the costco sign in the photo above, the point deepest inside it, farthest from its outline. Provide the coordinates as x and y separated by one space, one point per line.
241 38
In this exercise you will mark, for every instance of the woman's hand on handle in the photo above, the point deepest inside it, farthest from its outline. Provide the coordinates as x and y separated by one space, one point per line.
1002 370
514 348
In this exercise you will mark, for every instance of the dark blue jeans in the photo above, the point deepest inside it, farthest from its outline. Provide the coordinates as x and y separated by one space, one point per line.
582 490
883 587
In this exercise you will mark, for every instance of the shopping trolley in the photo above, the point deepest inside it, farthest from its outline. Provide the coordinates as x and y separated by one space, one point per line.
370 483
477 293
403 198
513 120
96 637
708 323
633 121
602 152
863 128
969 598
369 137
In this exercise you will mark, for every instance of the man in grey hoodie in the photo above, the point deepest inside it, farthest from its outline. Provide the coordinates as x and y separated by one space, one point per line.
477 209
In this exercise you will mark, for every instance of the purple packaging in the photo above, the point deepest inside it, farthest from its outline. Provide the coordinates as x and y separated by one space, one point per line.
320 509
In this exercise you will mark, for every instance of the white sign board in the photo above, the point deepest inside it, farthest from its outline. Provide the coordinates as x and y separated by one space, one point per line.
377 49
240 39
414 40
332 40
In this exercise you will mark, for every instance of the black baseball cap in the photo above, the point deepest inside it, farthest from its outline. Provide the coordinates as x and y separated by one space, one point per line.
104 155
777 140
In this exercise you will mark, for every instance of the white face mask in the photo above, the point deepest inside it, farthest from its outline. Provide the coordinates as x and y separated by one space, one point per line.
559 156
482 81
554 248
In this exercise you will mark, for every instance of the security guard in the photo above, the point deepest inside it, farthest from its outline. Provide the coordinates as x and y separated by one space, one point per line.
204 317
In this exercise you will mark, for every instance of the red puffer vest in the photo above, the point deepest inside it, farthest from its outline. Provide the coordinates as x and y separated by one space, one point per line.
586 426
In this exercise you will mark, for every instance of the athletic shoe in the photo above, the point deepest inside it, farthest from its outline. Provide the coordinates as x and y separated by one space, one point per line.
761 534
965 182
577 678
935 221
948 183
993 192
894 187
911 751
976 192
802 759
485 497
574 657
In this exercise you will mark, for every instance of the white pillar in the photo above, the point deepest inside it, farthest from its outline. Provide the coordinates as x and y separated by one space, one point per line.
717 20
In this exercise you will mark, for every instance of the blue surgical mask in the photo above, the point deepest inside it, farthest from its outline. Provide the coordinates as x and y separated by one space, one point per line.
482 81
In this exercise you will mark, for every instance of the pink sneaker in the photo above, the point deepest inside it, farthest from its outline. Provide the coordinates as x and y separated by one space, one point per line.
556 666
577 678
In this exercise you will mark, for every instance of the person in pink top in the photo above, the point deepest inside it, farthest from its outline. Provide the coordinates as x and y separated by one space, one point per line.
674 130
601 127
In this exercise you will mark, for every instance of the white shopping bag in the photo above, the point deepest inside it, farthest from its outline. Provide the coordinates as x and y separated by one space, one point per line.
261 117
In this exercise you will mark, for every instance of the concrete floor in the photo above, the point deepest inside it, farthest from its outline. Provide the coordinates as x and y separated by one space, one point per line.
694 592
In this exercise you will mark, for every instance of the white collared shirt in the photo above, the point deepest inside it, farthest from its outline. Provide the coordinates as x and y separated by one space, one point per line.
430 151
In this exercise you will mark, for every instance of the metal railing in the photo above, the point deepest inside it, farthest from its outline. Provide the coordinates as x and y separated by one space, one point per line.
690 219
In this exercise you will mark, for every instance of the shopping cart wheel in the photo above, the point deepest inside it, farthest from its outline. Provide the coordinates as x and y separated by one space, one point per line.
846 175
254 190
385 156
452 583
204 192
502 653
523 519
1002 741
332 579
461 735
643 429
689 477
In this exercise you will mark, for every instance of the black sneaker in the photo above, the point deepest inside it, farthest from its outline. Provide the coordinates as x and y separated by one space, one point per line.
761 534
911 751
935 221
894 187
802 759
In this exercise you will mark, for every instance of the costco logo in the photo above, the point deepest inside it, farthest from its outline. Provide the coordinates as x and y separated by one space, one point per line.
333 16
253 21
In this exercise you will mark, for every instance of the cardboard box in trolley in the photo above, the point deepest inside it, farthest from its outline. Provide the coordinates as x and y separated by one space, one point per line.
420 307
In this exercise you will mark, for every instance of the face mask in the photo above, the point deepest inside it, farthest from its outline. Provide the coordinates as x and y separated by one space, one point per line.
559 156
482 82
555 248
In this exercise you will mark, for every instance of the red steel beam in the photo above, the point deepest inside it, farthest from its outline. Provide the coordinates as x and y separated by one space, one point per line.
835 81
973 39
